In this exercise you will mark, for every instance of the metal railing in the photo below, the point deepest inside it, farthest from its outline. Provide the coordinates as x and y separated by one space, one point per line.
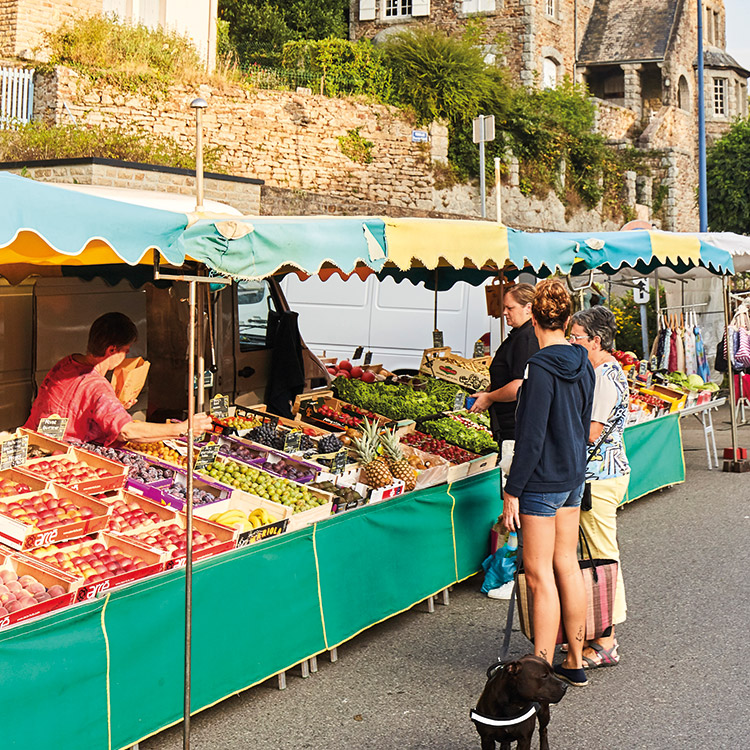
16 96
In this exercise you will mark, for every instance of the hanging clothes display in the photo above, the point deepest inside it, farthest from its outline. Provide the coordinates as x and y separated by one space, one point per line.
691 360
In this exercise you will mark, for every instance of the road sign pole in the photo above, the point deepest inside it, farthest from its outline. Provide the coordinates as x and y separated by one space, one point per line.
482 178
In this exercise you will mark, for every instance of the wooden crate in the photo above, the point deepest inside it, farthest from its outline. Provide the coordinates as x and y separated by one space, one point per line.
440 363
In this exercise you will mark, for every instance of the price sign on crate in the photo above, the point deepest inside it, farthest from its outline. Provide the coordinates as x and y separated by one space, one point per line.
459 402
292 441
219 406
479 348
339 462
358 352
437 339
14 452
206 455
368 358
53 427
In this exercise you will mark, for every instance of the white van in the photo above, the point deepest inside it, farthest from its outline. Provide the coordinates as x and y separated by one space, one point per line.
393 321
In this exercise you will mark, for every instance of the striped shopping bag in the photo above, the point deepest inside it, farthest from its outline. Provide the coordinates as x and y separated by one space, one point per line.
600 580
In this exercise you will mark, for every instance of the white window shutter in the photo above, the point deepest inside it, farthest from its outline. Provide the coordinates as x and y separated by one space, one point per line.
420 8
470 6
366 10
487 5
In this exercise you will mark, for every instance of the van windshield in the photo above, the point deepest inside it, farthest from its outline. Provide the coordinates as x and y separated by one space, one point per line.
254 301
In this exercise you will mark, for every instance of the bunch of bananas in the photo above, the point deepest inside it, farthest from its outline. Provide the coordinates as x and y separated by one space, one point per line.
239 519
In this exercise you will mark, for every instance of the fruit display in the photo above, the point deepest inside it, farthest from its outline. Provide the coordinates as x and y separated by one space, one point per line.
336 418
159 450
17 593
399 467
92 561
240 451
345 369
374 465
438 447
459 433
45 511
200 496
238 422
36 451
66 470
10 487
125 516
346 497
296 471
329 444
626 359
251 479
242 520
172 538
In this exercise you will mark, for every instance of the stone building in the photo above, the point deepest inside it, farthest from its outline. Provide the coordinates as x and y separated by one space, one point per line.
637 57
24 22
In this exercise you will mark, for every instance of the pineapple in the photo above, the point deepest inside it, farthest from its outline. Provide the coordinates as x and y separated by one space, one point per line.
397 463
366 448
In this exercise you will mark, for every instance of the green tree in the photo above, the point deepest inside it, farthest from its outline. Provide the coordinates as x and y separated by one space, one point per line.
258 29
728 173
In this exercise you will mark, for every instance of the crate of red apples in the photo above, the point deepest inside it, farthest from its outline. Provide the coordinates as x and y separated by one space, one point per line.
36 519
79 470
98 564
28 590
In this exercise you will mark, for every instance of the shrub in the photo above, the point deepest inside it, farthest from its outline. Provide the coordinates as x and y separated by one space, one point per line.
131 56
38 140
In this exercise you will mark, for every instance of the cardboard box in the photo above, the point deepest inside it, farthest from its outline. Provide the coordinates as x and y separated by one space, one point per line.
9 477
168 497
455 471
22 536
309 413
115 477
55 447
22 566
163 512
86 590
471 374
306 517
436 474
482 464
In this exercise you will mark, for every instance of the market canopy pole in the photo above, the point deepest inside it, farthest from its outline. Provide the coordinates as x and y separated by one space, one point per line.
702 197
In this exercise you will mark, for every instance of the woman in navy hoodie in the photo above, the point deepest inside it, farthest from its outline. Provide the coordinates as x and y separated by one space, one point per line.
545 483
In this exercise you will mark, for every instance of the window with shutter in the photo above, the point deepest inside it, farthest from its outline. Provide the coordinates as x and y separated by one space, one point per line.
366 10
420 7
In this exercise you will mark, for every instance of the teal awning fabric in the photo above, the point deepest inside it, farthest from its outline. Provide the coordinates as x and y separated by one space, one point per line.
44 224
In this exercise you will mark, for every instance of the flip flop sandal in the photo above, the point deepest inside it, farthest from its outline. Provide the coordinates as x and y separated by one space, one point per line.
602 657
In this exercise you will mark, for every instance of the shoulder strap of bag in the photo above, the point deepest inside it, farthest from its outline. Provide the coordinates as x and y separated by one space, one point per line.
605 434
585 543
509 622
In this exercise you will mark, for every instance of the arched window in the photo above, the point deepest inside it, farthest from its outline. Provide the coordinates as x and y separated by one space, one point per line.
683 94
549 73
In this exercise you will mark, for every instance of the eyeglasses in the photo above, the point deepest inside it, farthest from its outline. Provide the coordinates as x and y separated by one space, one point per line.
573 338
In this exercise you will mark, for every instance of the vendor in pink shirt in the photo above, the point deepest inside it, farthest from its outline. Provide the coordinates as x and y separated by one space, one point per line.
76 388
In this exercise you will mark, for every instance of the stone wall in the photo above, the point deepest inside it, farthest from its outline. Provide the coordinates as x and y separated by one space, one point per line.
614 122
242 194
287 139
23 22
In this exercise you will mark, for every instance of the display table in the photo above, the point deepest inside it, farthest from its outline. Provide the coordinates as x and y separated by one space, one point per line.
109 672
654 451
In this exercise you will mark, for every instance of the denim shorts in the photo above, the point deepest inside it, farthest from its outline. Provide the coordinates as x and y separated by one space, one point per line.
548 503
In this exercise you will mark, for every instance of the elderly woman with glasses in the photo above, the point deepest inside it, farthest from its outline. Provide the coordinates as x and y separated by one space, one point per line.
608 471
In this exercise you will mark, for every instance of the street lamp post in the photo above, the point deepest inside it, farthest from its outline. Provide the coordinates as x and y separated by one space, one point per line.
702 197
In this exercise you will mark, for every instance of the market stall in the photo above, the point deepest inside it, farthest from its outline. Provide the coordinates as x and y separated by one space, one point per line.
312 587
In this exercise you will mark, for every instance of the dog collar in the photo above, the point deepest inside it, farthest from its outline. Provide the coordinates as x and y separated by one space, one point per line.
504 721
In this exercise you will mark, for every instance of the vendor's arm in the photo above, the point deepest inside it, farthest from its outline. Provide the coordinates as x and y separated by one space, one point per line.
506 393
595 432
147 432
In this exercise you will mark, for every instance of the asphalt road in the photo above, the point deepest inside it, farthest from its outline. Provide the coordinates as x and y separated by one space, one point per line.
409 683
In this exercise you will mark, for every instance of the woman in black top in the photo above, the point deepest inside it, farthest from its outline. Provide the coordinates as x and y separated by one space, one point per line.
509 363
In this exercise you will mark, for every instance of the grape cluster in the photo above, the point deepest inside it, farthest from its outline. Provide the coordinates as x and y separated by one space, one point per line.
200 497
289 471
266 435
305 443
329 444
238 451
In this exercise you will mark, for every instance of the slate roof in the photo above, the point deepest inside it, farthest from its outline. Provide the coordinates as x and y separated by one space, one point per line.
713 57
628 31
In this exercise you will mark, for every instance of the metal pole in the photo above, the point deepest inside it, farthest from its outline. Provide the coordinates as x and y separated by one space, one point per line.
434 327
481 168
497 191
728 339
189 513
644 331
702 197
199 105
200 396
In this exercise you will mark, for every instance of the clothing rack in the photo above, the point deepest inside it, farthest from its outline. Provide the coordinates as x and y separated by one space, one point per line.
743 402
685 307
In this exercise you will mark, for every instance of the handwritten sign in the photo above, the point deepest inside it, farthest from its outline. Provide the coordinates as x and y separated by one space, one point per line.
358 352
292 441
437 339
340 460
219 406
14 452
262 532
459 401
206 456
53 427
479 348
368 358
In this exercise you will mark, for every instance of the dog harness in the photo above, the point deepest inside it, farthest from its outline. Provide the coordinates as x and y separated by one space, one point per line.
504 721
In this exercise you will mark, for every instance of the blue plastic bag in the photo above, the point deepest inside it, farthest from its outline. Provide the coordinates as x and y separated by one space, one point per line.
500 567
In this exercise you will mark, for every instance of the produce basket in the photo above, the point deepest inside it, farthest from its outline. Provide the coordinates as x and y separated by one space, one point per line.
247 503
472 374
110 475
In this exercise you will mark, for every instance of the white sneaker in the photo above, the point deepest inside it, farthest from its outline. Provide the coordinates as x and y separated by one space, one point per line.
501 592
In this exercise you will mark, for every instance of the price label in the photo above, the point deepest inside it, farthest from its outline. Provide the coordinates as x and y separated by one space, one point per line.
437 339
368 358
219 406
292 441
339 462
358 352
206 455
262 532
53 427
459 401
14 452
479 348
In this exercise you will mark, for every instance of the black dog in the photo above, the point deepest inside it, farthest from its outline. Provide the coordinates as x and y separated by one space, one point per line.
514 696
